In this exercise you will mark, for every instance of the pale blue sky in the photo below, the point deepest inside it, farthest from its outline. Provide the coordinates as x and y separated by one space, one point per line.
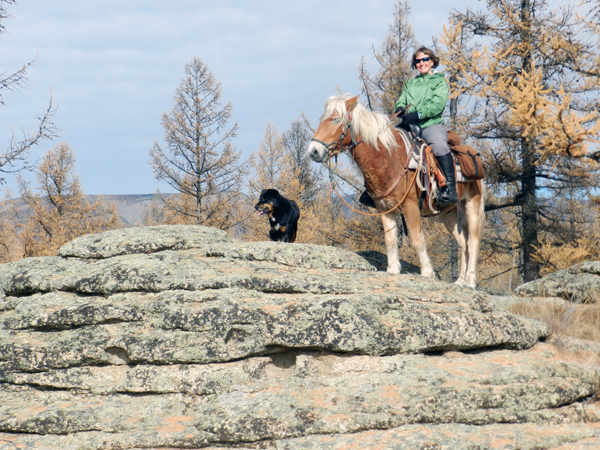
113 67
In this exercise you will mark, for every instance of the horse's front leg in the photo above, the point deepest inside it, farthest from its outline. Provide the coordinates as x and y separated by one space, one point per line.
390 230
412 216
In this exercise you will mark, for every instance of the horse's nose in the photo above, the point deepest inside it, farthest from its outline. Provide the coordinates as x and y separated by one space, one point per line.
313 152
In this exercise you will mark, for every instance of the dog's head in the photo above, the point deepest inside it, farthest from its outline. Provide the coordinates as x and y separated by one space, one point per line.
267 201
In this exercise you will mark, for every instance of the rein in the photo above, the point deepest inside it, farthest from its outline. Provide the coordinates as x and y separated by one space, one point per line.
375 214
335 151
399 177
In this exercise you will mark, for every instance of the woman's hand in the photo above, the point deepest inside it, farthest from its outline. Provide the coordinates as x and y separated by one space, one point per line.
400 111
412 117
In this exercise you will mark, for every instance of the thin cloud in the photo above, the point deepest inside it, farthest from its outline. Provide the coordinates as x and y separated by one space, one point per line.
114 65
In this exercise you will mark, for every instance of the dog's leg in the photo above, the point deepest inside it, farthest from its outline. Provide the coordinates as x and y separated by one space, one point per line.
293 235
274 235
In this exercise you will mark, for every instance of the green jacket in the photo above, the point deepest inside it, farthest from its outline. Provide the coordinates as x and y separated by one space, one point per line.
427 95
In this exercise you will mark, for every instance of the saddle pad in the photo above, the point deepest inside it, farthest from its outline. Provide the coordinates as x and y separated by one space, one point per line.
413 164
408 140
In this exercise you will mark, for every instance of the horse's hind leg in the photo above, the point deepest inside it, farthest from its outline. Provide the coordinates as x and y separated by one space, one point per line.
390 230
468 240
474 214
450 221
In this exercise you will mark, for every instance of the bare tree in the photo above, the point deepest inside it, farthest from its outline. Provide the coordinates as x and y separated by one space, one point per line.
16 155
295 141
394 57
198 159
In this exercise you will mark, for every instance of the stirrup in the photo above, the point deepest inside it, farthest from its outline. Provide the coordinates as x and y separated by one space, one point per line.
445 198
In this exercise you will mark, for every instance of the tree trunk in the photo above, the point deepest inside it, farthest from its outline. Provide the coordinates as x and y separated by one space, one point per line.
453 244
529 214
529 208
198 203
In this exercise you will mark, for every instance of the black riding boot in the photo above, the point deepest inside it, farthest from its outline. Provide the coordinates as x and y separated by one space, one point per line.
365 199
447 195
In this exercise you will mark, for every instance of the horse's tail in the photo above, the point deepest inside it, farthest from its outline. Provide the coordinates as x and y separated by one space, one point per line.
481 209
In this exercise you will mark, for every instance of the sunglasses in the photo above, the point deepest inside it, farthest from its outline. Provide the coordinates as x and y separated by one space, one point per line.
417 61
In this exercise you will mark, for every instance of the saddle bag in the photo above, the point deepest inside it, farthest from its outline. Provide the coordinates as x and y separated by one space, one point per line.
469 160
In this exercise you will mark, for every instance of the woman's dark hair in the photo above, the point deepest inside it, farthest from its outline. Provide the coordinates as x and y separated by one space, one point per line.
426 51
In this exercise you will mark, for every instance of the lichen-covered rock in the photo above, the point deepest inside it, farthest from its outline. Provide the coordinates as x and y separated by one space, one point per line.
304 395
180 337
142 240
579 283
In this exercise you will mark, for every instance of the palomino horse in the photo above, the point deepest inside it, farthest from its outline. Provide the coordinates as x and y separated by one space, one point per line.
379 152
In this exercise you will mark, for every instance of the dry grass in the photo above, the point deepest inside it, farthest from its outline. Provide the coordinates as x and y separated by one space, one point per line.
566 320
563 319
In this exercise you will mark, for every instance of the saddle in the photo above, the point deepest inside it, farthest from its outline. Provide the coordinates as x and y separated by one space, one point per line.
430 178
467 161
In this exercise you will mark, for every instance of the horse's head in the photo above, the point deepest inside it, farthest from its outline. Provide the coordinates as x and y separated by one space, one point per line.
334 134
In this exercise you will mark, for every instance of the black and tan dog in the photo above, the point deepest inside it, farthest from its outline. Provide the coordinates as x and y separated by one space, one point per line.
283 215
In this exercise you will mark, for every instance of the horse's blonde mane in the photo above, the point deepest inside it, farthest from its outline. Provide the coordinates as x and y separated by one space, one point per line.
374 128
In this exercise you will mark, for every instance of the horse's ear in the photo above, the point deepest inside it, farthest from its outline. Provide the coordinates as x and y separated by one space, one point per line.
350 104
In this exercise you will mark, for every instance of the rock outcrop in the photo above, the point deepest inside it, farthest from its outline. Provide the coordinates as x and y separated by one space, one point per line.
579 283
181 337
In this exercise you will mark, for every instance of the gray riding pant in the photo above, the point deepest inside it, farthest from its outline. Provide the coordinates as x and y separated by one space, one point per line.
437 137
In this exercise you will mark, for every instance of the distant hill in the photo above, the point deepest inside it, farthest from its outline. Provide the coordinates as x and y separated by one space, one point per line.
130 207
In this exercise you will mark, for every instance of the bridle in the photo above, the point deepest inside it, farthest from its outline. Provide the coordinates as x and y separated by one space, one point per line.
339 148
338 144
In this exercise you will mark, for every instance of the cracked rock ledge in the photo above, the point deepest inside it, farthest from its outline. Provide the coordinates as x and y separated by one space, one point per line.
180 337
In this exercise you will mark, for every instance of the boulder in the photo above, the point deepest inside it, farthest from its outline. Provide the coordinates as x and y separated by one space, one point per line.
579 283
181 337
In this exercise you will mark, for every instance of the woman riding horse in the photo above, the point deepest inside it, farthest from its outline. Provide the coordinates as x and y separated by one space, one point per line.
422 102
382 156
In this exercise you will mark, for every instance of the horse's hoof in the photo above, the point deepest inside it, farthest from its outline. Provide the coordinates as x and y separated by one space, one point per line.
465 284
470 282
428 273
393 270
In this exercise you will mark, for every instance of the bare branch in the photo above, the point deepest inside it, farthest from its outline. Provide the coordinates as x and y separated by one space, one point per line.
15 158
